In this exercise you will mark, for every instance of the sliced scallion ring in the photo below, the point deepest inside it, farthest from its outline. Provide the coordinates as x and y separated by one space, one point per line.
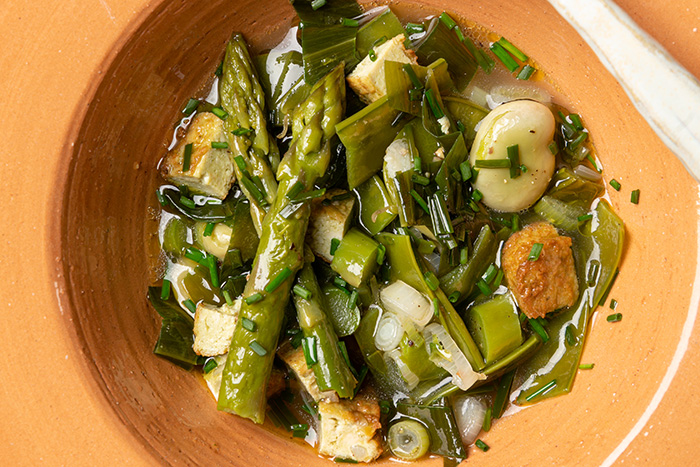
389 332
409 440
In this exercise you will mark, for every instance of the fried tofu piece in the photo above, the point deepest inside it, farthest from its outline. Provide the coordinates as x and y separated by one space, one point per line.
348 429
295 360
368 79
328 221
211 170
213 328
546 284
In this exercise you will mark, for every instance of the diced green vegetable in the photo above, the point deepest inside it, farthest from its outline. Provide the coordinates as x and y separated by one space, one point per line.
356 258
386 24
345 318
176 339
376 208
495 327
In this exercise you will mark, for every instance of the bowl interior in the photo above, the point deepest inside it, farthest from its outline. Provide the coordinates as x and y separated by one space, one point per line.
109 250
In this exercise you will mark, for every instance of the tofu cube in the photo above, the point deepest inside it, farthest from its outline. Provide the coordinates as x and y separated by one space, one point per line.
295 360
368 80
328 222
211 170
213 328
348 429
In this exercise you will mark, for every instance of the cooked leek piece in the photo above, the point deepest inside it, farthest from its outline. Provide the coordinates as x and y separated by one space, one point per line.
495 326
403 95
381 28
376 207
445 439
356 258
176 338
465 112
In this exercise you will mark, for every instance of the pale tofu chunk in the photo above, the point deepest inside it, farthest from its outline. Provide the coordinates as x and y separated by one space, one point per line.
211 170
213 328
368 80
295 360
397 158
348 429
276 384
328 222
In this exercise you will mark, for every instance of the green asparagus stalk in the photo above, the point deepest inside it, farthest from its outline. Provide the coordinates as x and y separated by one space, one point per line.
280 252
331 370
253 148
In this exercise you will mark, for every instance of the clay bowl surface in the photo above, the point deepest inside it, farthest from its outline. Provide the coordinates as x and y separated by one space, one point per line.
93 102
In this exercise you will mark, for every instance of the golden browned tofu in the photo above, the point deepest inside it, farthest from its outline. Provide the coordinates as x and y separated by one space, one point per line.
546 284
295 360
211 169
328 221
348 429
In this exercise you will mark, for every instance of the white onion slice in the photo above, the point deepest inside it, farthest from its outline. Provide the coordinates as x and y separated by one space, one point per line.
587 173
443 351
403 299
469 415
389 332
408 376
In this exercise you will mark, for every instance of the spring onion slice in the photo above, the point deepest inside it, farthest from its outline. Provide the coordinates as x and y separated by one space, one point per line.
389 332
408 439
405 301
539 329
408 376
443 351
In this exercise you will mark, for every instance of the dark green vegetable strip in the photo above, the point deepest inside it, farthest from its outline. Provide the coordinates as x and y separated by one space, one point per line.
386 24
400 85
244 100
246 373
364 335
376 209
331 370
501 400
175 340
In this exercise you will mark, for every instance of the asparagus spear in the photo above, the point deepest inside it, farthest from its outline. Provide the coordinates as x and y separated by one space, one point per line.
331 370
280 251
253 148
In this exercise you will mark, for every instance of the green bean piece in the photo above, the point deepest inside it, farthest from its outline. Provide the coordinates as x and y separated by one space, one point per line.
597 247
242 97
356 258
495 326
385 25
246 373
376 208
331 370
463 278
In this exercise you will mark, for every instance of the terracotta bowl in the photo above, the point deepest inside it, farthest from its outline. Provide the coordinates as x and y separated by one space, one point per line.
91 107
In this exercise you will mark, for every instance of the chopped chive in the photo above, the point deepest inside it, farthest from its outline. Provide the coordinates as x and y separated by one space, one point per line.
417 164
294 191
255 298
492 163
227 297
460 36
634 198
360 378
569 334
421 202
499 278
504 57
248 324
514 158
512 49
300 427
240 162
309 195
523 168
334 245
302 292
515 222
477 196
464 256
309 409
554 148
539 329
447 20
254 190
594 163
195 255
219 145
316 4
420 179
436 307
614 318
343 460
350 23
486 426
187 157
296 339
209 229
481 445
413 28
381 254
344 353
542 391
431 280
257 348
308 345
219 112
484 287
408 69
613 304
615 184
526 72
372 55
535 252
352 301
189 304
241 131
165 290
465 170
213 270
586 366
460 126
578 141
433 103
209 365
454 296
576 121
161 198
339 282
490 273
191 106
585 217
281 276
474 206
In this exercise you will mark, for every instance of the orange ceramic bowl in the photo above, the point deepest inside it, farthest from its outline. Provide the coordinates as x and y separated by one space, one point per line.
91 90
